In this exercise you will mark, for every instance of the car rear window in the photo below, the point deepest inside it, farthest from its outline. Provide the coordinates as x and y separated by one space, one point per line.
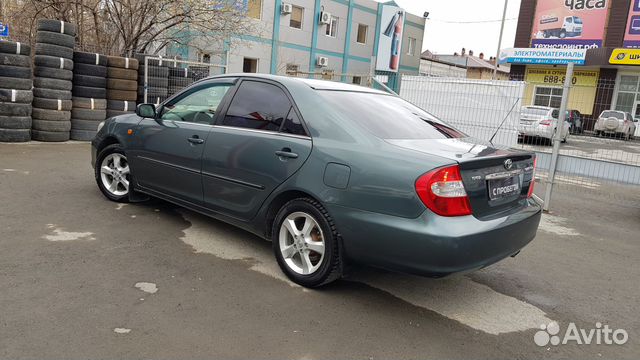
388 117
615 114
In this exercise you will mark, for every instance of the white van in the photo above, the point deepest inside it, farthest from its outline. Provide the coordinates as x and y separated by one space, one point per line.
571 27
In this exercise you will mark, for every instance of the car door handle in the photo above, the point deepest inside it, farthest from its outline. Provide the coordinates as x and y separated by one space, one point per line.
195 140
286 153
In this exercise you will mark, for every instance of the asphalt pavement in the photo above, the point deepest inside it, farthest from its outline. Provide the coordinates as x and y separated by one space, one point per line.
83 277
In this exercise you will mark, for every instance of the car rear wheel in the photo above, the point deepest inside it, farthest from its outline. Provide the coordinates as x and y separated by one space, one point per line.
306 243
113 174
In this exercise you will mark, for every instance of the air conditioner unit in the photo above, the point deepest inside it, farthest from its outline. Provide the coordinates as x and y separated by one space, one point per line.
286 8
322 61
325 18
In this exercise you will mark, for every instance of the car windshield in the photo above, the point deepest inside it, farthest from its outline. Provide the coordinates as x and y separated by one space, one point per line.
535 111
615 114
578 20
389 117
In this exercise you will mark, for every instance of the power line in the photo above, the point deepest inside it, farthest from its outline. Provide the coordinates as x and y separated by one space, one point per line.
470 22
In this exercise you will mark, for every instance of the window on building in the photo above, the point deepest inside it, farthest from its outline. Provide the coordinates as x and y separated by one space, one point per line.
254 8
206 58
361 38
357 80
295 19
332 27
547 96
411 46
257 105
292 69
250 65
627 92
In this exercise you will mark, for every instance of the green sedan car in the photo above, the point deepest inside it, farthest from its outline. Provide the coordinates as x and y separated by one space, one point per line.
328 172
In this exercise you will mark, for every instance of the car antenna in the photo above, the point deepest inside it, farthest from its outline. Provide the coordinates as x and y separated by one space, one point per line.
502 123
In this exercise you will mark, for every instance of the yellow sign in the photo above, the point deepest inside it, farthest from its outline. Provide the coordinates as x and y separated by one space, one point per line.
553 76
625 57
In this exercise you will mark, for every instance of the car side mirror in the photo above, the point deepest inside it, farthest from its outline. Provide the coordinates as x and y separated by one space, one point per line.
146 111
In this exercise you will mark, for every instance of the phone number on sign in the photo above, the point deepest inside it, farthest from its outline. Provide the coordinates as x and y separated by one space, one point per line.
558 79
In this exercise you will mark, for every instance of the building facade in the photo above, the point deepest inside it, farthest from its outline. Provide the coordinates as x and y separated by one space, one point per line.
601 27
309 37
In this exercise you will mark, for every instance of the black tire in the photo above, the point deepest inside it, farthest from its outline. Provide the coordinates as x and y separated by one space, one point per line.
112 113
51 73
54 50
122 95
155 82
82 135
15 135
11 109
52 94
15 60
52 62
90 69
85 103
113 148
53 84
90 92
88 114
122 62
50 136
121 105
48 125
154 71
15 122
88 125
52 104
118 73
154 91
89 58
119 84
90 81
16 96
55 38
16 83
15 72
56 26
331 265
52 115
8 47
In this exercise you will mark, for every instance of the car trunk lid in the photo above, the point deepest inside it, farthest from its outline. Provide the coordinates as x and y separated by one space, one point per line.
496 179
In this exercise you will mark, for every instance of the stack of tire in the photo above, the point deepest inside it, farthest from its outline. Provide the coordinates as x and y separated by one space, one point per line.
89 94
15 92
122 85
52 80
158 79
179 78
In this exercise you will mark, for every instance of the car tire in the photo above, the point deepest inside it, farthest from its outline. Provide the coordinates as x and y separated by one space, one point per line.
121 105
89 92
54 50
55 38
56 26
330 265
15 72
102 185
15 60
80 57
82 135
53 115
51 73
15 135
52 104
123 63
52 94
122 95
16 83
88 114
88 125
52 62
49 125
53 84
120 84
90 69
124 74
112 113
7 47
12 109
16 96
86 103
90 81
50 136
15 122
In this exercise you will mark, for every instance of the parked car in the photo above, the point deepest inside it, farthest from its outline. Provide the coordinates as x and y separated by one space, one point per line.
615 123
541 122
328 172
575 122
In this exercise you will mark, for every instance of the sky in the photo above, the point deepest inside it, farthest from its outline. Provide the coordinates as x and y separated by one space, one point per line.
454 24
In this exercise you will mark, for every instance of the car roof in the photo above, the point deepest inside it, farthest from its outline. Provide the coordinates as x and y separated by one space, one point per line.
312 83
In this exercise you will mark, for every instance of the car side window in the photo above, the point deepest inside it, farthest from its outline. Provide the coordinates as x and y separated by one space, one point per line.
198 105
257 105
554 114
292 124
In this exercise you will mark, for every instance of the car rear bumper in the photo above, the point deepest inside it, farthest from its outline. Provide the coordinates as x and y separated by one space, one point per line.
536 131
432 245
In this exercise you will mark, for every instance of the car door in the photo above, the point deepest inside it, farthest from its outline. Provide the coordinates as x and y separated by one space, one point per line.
168 157
257 144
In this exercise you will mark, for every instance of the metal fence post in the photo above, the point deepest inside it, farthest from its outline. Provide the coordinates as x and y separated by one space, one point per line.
146 79
557 137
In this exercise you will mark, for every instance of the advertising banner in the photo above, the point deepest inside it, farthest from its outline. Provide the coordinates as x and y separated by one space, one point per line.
625 57
542 56
550 76
4 30
569 24
632 33
390 39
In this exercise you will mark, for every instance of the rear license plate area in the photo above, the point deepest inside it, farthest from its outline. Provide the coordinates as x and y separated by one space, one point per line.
503 188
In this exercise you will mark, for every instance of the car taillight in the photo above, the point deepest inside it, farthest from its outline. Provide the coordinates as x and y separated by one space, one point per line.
545 122
442 191
533 178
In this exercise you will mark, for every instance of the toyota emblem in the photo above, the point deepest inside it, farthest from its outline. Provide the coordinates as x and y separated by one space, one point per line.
508 164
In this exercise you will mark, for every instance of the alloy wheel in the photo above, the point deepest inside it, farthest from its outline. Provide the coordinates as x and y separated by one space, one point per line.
302 243
115 174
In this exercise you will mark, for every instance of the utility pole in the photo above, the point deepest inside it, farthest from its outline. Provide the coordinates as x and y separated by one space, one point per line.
495 65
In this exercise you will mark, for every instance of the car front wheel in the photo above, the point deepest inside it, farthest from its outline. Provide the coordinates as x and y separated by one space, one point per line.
306 243
113 174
